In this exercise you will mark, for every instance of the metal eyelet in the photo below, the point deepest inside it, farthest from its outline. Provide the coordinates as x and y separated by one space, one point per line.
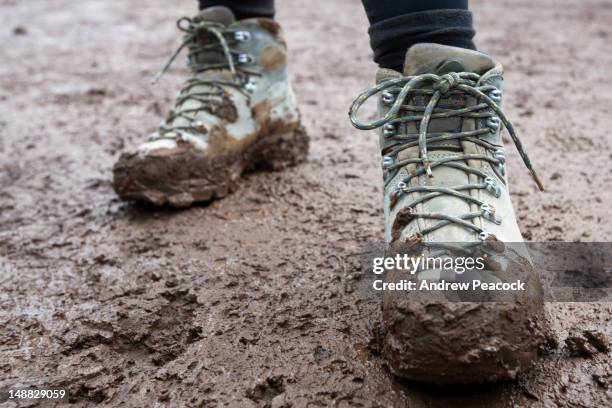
483 235
401 185
500 155
389 129
496 95
250 87
492 187
244 58
387 97
488 212
493 123
387 162
242 35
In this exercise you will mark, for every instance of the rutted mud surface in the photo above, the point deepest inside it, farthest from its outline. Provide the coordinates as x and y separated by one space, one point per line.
251 301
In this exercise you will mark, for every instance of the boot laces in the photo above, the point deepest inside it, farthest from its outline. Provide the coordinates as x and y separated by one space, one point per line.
209 89
435 87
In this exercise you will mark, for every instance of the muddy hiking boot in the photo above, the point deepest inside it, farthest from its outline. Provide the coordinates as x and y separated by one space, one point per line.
445 186
236 112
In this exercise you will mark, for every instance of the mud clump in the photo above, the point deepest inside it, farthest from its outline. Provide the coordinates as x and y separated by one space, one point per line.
403 218
20 30
603 380
462 343
586 343
224 109
266 390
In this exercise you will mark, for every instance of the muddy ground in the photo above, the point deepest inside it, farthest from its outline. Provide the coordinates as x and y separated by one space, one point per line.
251 301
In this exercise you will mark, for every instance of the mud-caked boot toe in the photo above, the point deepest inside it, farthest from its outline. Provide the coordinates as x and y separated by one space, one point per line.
236 112
446 190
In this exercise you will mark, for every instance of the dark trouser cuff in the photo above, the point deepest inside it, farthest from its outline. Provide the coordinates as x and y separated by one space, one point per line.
244 8
392 37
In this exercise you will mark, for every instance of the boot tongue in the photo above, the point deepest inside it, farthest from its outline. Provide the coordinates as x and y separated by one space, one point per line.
212 55
441 59
217 14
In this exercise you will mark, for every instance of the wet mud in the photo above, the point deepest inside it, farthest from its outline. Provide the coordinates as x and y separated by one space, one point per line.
251 301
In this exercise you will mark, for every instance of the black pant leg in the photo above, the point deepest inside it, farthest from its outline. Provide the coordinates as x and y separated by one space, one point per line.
244 8
396 25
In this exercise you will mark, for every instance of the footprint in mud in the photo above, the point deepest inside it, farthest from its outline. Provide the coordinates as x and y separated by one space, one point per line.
127 334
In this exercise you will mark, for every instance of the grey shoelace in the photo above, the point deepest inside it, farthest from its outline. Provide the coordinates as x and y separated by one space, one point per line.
214 87
398 91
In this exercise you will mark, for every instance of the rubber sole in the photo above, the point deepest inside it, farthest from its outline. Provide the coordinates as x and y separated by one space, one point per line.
182 178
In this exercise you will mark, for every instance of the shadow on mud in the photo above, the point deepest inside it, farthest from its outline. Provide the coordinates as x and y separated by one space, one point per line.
141 210
460 396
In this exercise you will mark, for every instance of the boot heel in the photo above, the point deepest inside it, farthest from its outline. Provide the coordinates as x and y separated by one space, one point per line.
282 150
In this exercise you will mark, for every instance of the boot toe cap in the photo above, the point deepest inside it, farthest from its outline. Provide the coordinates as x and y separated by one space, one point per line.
463 342
177 177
